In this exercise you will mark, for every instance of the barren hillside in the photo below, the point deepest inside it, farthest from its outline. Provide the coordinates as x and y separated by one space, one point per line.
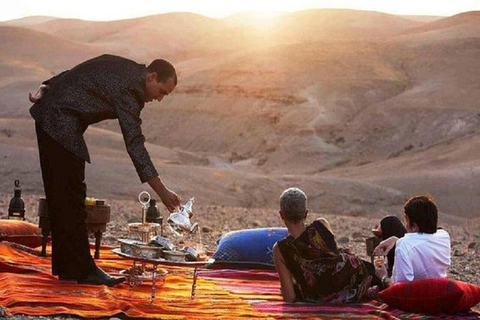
359 109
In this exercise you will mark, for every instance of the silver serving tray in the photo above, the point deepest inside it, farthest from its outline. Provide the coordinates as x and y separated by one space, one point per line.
162 261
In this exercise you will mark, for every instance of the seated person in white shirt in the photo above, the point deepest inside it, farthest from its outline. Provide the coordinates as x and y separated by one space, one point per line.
424 251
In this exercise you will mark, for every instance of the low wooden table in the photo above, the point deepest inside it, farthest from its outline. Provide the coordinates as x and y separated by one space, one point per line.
133 277
97 218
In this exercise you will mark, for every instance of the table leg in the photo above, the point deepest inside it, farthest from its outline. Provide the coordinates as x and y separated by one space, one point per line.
131 279
98 240
194 284
45 234
154 287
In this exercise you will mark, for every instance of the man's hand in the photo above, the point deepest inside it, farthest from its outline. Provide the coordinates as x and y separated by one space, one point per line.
169 198
38 94
385 246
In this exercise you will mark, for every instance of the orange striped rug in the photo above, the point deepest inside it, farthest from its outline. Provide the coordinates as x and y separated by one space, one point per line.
26 287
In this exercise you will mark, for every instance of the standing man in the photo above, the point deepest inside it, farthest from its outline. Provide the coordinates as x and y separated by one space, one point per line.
105 87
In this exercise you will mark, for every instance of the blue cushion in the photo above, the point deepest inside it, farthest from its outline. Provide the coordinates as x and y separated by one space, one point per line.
248 248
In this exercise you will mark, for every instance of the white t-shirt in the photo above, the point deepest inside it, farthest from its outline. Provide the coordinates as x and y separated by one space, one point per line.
421 256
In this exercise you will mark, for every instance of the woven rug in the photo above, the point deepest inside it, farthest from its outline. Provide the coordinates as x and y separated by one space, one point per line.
26 287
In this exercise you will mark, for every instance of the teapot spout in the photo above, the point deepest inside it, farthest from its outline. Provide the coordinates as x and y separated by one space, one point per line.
194 227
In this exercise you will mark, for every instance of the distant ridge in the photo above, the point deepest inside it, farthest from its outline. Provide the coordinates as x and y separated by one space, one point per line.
28 21
471 18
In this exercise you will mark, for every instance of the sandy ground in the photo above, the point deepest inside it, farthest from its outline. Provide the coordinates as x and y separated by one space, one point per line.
214 221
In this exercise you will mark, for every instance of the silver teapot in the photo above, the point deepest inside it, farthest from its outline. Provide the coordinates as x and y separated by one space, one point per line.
180 221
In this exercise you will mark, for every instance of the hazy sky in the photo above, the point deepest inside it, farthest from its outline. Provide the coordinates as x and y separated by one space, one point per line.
116 10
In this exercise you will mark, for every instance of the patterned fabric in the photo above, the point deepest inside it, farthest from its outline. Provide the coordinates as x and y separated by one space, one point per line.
105 87
322 272
227 253
28 289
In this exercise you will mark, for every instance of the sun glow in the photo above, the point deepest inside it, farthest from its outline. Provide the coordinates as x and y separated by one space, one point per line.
263 17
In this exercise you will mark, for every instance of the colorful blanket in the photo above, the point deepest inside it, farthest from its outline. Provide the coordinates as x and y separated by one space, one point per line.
26 287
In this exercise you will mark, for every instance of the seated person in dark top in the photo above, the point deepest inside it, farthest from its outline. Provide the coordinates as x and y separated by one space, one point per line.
310 265
390 226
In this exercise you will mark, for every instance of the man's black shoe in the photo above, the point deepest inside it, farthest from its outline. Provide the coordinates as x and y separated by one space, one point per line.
101 278
108 278
67 278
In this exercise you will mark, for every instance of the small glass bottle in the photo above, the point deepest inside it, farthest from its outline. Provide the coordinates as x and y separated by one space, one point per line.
379 261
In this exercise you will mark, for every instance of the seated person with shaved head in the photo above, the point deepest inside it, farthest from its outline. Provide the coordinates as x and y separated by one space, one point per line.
310 265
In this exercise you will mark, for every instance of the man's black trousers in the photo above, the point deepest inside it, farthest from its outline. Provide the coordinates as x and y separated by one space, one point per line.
65 191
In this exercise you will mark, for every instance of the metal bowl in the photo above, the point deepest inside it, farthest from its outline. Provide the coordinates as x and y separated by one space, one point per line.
140 249
173 255
163 243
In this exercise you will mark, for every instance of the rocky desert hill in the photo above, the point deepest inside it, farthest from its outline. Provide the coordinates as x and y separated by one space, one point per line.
360 109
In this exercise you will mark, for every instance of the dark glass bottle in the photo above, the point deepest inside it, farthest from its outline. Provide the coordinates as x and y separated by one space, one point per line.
153 214
16 209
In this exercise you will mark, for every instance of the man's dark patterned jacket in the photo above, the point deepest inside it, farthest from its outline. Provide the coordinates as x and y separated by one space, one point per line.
106 87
